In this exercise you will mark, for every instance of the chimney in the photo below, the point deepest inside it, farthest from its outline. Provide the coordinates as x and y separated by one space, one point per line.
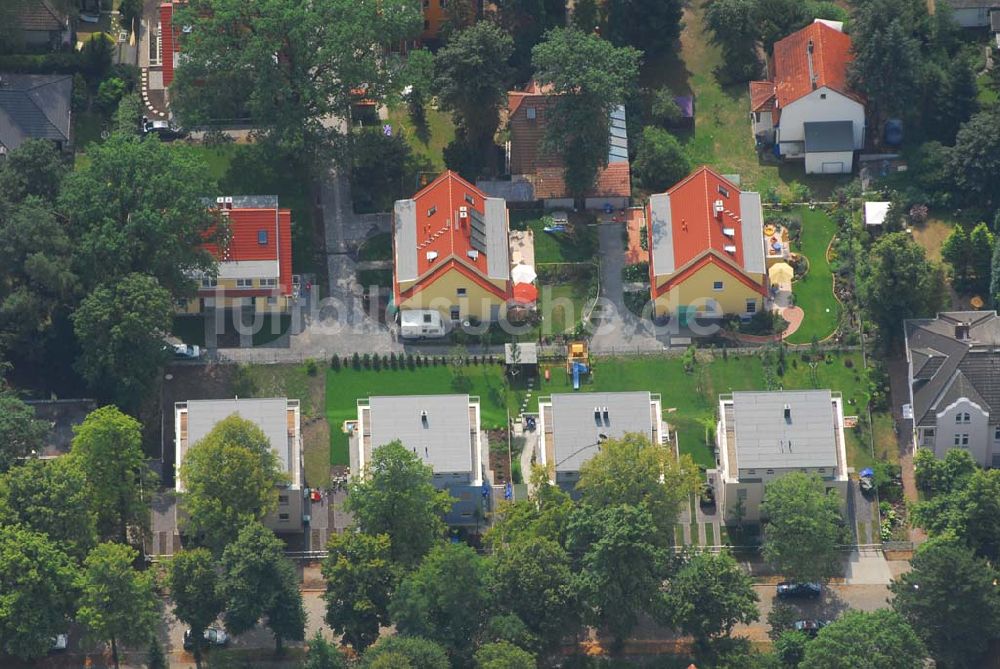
718 207
788 413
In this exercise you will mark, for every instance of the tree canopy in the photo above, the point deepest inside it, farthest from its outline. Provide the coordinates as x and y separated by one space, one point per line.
290 65
20 432
590 77
117 603
803 527
37 591
230 477
504 655
975 159
405 652
709 595
660 161
107 446
196 592
360 580
950 600
652 26
395 497
880 639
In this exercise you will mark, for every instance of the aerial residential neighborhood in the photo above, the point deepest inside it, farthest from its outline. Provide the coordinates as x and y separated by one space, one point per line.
499 334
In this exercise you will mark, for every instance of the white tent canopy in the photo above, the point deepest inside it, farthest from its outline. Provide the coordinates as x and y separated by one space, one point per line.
523 274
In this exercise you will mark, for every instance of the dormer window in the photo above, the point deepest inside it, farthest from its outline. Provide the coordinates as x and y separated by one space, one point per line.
530 113
431 211
471 200
723 191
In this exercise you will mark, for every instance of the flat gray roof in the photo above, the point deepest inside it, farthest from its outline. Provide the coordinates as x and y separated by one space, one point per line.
662 251
765 439
404 220
576 432
497 243
753 232
269 414
444 443
829 136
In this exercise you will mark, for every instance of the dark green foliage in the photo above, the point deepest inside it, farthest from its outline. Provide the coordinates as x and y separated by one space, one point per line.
419 653
20 432
709 595
360 579
650 25
661 161
975 160
323 655
732 24
803 528
378 167
861 640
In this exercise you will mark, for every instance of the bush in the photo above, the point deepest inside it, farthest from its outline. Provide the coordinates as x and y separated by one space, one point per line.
109 93
335 363
764 323
377 363
638 273
356 361
367 360
311 367
393 363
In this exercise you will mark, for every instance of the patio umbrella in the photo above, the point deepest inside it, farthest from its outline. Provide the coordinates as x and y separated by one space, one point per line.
525 293
780 274
523 274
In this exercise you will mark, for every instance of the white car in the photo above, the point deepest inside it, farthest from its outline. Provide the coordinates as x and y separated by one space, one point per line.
186 352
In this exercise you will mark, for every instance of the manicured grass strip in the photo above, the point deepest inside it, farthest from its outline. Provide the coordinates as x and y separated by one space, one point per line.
814 291
426 143
678 535
709 534
693 528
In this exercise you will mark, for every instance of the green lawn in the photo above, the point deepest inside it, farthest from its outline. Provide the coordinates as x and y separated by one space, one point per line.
427 143
345 387
218 158
378 247
814 291
988 94
563 306
556 247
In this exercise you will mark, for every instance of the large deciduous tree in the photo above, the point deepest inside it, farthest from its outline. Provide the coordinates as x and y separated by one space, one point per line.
590 77
117 603
37 591
652 26
323 654
950 600
259 582
897 283
532 578
20 432
635 472
803 527
861 640
230 477
409 652
968 512
472 77
107 446
660 161
51 497
292 65
444 599
120 327
395 496
709 595
196 592
34 168
138 207
360 579
621 566
975 159
733 26
504 655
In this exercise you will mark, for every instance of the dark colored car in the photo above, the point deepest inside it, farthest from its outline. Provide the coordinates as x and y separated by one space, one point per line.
810 627
707 496
214 637
789 590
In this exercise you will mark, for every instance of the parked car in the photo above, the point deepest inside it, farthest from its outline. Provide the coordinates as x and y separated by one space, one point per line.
165 130
789 590
214 638
707 496
60 642
810 627
186 352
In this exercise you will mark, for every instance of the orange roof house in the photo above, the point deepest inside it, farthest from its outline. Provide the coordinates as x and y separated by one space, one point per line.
528 113
255 258
808 87
706 246
450 248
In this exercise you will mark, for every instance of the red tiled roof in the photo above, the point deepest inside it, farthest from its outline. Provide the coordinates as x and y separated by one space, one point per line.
168 42
694 224
612 181
244 240
446 233
831 54
761 96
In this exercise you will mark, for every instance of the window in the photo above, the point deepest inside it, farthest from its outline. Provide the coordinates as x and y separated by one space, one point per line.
531 113
965 439
244 283
431 211
454 313
470 199
996 433
209 282
958 439
262 237
751 306
283 516
717 285
929 432
961 418
427 318
154 44
461 292
283 500
822 96
821 470
751 471
269 282
756 117
272 300
723 191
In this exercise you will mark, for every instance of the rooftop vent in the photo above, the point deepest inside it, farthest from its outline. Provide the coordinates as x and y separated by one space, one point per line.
729 232
229 202
473 253
718 207
729 248
463 212
432 256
